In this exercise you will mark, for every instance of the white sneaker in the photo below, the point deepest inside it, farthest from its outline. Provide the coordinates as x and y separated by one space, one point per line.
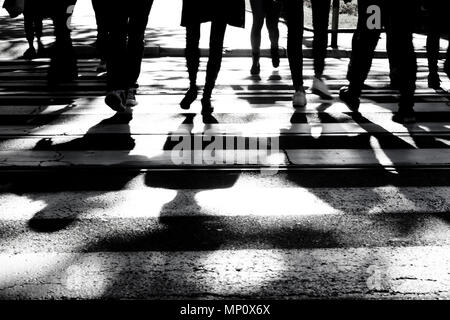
131 98
299 99
320 88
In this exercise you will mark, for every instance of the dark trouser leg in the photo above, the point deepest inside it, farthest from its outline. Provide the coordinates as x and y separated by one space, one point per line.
63 66
364 43
321 12
272 20
294 16
192 52
117 48
29 28
258 21
136 36
400 32
217 36
101 11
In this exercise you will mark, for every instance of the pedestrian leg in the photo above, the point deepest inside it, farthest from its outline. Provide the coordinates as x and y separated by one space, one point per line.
321 13
192 54
272 20
217 36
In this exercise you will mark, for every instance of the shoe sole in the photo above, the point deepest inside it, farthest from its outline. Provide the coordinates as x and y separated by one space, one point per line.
115 103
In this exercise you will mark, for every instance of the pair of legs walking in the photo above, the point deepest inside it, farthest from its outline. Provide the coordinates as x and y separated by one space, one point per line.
268 11
125 47
192 53
33 26
438 9
295 21
398 20
101 43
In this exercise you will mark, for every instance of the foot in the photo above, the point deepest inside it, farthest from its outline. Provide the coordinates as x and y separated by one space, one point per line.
115 100
349 98
320 88
189 98
131 101
434 82
101 66
404 116
275 57
256 68
207 108
30 53
299 99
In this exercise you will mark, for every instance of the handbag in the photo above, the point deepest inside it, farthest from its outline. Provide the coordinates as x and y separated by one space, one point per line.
14 7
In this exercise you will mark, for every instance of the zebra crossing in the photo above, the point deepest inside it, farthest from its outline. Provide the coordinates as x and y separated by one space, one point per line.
98 205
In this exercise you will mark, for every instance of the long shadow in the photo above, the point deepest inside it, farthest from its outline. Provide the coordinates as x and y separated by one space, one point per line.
97 182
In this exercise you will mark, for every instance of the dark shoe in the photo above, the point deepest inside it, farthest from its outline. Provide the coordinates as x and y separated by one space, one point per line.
275 57
207 108
29 54
349 98
101 66
434 82
189 98
115 100
404 116
131 101
256 68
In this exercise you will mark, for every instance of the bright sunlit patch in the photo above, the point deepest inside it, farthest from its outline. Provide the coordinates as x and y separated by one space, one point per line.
20 269
15 207
243 271
379 153
316 131
144 203
242 201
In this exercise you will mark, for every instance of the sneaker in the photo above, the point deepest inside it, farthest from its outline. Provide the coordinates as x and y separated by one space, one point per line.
275 54
256 68
404 116
349 98
434 82
299 99
320 88
115 100
101 66
30 53
131 101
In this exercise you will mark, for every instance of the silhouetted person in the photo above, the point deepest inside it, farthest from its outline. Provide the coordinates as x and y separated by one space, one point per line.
268 10
294 18
100 9
321 14
63 66
126 35
220 14
398 19
438 24
32 17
